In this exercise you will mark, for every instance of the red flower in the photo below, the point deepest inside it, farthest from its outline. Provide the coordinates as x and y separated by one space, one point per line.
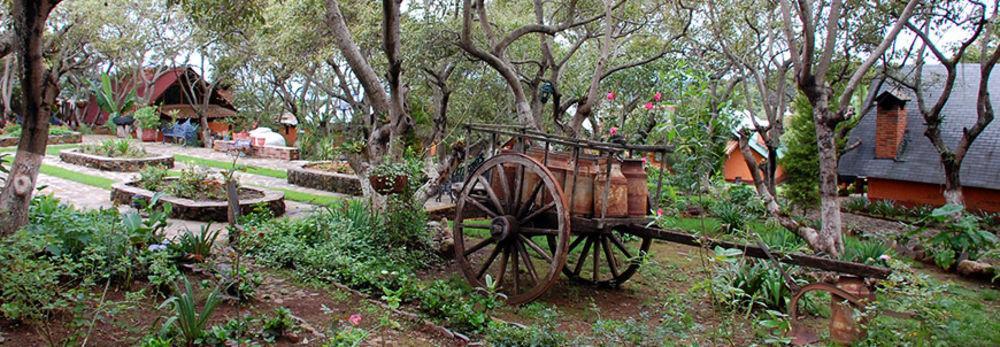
611 96
658 96
613 131
355 319
649 106
659 212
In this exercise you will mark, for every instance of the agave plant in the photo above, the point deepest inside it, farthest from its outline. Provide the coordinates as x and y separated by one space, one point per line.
189 322
107 100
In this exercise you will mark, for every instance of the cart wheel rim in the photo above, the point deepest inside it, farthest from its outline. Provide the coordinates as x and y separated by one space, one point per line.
506 244
605 259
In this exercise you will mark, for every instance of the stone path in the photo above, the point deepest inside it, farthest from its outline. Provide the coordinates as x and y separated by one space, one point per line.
88 197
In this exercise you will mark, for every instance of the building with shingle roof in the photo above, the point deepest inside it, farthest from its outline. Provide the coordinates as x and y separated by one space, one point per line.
898 161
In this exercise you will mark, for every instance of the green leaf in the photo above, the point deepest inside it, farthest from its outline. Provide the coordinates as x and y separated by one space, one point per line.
947 210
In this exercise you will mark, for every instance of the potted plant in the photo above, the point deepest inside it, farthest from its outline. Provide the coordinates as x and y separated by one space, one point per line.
389 177
148 120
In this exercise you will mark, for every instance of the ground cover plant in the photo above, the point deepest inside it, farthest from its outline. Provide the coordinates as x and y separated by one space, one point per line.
14 130
119 148
193 183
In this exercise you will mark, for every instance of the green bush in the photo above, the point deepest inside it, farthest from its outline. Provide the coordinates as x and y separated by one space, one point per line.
868 251
347 244
961 236
458 304
733 217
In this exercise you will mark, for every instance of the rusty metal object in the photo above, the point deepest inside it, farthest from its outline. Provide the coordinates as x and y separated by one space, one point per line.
580 186
843 327
506 245
614 192
638 188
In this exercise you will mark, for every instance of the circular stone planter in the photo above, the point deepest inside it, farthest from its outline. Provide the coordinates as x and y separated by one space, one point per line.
74 156
203 211
73 137
307 176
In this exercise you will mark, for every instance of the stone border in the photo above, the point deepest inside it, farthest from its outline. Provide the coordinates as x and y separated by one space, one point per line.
73 137
303 176
202 211
75 157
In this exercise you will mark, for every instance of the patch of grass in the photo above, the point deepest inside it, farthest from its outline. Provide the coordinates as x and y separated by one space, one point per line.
218 164
70 175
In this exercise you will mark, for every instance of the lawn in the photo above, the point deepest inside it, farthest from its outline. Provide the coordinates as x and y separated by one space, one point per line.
50 150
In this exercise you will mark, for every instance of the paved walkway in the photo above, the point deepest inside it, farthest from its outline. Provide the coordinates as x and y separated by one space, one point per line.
88 197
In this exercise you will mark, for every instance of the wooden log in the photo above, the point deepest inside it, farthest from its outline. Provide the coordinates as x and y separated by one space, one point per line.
810 261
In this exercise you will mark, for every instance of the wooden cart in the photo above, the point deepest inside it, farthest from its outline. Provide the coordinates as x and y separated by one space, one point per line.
522 219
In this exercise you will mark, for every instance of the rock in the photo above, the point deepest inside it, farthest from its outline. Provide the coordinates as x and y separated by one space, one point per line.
442 239
974 268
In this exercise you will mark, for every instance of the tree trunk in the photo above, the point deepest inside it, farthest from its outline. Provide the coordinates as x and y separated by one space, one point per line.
206 133
952 183
37 92
830 239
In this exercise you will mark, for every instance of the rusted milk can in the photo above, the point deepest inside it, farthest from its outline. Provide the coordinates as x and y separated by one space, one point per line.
638 190
582 192
558 164
618 192
844 327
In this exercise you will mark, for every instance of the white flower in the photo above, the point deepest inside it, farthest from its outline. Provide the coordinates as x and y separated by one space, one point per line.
156 247
884 257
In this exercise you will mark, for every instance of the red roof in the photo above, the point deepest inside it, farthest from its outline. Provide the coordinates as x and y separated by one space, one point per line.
93 114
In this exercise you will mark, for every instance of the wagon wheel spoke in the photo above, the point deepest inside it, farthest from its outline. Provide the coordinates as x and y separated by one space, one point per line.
491 194
516 268
621 246
527 204
583 257
576 243
518 185
612 260
491 213
478 246
538 212
596 257
538 231
486 265
536 248
504 186
528 264
503 267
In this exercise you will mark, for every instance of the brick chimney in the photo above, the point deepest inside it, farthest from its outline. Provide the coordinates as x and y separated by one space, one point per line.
890 124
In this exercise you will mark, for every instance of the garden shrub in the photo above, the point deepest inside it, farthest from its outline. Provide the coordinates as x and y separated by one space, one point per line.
458 304
960 237
347 244
63 251
733 217
867 251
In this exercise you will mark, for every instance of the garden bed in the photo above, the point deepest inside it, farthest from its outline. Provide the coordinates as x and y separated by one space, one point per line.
73 137
325 176
266 152
201 210
74 156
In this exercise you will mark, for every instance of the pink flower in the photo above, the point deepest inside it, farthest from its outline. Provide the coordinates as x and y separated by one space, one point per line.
611 96
659 212
613 131
658 96
355 319
648 106
643 161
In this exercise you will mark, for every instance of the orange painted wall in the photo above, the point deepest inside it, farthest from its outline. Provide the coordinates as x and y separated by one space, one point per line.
218 127
915 194
736 167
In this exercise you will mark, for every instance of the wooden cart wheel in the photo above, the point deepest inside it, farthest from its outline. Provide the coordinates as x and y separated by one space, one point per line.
498 228
605 258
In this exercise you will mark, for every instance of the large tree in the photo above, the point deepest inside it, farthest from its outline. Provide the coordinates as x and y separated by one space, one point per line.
39 88
545 69
817 32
